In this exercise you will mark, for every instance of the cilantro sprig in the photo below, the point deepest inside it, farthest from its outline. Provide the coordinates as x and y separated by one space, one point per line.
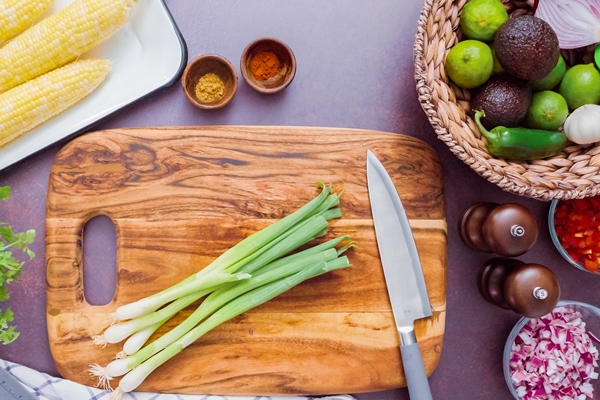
11 268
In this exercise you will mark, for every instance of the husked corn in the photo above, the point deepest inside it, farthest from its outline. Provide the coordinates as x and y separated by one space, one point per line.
18 15
60 38
34 102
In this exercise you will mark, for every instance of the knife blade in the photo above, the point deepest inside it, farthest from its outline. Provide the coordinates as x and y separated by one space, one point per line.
402 270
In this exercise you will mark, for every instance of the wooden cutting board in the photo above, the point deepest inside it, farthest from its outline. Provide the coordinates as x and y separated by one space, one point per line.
181 196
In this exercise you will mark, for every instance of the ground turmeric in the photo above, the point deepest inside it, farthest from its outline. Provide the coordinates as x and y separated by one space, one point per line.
209 88
264 65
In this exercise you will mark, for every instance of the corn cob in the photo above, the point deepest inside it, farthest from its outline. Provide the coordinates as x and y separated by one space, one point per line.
60 38
34 102
18 15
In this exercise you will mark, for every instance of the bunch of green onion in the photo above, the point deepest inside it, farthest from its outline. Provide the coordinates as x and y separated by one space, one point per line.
257 269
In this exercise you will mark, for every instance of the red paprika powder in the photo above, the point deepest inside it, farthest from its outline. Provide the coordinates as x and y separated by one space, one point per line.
264 65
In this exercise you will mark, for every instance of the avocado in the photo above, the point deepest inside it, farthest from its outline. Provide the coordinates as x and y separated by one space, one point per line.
527 47
504 99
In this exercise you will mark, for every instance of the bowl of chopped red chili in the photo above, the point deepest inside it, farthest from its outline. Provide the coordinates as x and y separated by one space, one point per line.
574 226
556 356
268 65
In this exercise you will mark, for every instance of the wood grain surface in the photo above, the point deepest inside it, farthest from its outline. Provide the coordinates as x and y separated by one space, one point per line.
181 196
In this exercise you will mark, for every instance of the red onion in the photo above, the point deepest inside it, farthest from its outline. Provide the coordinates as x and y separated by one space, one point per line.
553 358
575 22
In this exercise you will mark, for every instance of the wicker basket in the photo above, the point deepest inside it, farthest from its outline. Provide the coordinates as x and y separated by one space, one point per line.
572 174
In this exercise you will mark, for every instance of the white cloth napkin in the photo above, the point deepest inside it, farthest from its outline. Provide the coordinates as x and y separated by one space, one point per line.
46 387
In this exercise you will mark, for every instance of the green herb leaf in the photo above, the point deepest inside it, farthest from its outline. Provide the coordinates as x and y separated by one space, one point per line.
8 334
5 232
23 240
4 192
11 268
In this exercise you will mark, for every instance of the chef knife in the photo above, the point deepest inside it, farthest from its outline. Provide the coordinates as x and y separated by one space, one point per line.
402 270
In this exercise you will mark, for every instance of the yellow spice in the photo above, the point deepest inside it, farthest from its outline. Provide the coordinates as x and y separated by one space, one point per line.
209 88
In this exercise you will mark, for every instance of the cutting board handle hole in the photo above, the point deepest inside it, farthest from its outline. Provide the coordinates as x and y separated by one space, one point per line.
99 260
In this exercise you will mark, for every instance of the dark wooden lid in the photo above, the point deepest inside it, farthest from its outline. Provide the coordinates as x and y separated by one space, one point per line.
532 290
471 223
510 230
492 278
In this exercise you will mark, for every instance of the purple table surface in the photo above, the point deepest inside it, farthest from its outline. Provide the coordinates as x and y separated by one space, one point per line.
355 70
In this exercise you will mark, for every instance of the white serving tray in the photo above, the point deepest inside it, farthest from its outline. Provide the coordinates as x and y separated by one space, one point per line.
147 53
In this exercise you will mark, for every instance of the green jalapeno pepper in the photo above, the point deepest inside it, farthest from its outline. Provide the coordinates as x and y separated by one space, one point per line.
520 143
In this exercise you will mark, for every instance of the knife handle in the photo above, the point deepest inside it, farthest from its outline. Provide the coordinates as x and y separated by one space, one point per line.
414 370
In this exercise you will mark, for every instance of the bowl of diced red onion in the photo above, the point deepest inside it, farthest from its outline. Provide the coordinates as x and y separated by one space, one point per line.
574 227
555 357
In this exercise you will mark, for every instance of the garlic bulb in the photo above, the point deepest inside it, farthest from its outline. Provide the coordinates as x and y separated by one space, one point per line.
583 125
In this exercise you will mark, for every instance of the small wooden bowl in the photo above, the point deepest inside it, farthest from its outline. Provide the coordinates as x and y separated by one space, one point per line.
287 65
203 65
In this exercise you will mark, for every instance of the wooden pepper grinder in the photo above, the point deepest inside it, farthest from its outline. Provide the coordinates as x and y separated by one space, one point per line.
508 230
530 290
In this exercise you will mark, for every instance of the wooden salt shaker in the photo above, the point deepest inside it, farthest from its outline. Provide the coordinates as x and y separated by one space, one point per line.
508 230
530 290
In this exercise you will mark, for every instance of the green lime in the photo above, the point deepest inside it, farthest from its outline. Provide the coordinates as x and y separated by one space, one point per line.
469 63
497 67
480 19
597 56
581 85
553 78
548 110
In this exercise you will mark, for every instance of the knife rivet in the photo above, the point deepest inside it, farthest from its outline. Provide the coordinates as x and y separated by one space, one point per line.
517 230
540 293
